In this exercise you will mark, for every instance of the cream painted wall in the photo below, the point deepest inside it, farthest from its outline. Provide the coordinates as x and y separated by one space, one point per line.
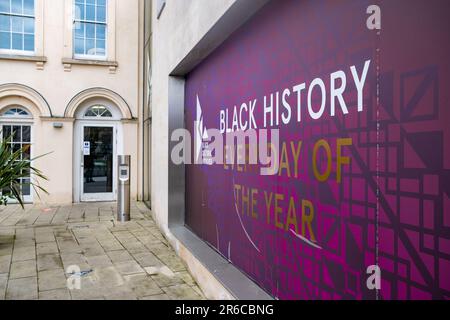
180 27
58 87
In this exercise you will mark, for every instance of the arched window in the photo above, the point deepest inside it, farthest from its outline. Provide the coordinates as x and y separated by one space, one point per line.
16 112
98 111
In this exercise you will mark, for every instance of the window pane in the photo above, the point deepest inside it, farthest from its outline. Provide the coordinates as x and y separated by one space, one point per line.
101 14
17 24
16 6
26 134
79 46
6 132
17 131
28 7
79 29
5 23
5 40
29 42
26 187
101 31
26 154
100 48
92 2
90 47
90 13
15 147
4 6
90 30
28 25
17 41
79 11
90 113
101 3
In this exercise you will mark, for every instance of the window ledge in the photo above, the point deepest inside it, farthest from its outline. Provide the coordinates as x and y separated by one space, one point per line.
68 62
40 60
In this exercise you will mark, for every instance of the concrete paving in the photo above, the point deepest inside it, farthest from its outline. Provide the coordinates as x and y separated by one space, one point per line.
45 252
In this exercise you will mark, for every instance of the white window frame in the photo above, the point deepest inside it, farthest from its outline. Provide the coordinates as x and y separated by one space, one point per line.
69 33
22 52
21 121
88 56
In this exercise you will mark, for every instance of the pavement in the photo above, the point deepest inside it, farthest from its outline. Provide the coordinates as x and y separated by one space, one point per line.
80 252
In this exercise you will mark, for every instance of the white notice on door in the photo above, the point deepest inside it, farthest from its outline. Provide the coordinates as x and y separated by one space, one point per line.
86 148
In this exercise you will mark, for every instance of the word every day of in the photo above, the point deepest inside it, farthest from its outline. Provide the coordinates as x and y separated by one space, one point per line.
277 109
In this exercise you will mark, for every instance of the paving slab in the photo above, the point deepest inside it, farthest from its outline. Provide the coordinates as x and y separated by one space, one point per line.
22 289
117 261
23 269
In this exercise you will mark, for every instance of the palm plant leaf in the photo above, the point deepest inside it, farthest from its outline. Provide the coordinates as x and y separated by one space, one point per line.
13 169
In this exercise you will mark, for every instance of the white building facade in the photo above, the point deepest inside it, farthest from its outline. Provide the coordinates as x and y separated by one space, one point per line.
70 85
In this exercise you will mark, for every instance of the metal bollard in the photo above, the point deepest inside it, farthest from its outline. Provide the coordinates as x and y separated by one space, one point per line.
123 193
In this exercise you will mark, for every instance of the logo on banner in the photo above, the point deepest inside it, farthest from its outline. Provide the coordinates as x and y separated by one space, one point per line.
201 144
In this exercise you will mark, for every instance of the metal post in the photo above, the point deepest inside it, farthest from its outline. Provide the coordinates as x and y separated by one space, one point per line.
123 193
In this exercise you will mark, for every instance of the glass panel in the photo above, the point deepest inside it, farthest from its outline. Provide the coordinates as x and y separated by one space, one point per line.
79 11
90 13
15 147
17 41
98 111
100 31
5 23
98 165
100 47
26 187
90 30
28 25
17 24
101 14
5 40
90 113
26 134
90 47
79 29
28 7
79 46
16 6
17 131
29 42
6 132
22 112
27 151
5 6
107 114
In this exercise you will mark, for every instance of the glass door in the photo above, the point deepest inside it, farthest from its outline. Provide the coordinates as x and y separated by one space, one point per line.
98 161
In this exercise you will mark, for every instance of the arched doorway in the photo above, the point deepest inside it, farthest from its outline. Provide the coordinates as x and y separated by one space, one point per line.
97 142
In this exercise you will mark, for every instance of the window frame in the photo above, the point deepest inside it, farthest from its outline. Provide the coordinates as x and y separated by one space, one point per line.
85 21
98 117
20 121
10 14
4 114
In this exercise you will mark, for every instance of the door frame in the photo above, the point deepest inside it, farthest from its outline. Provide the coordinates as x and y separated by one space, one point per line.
78 169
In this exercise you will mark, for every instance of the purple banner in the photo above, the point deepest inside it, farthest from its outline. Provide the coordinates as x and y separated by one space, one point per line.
362 105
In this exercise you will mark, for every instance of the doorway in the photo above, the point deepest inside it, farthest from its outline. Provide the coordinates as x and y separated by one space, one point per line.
98 163
97 138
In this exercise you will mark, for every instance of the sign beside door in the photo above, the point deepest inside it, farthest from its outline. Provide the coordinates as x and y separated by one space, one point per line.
86 148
